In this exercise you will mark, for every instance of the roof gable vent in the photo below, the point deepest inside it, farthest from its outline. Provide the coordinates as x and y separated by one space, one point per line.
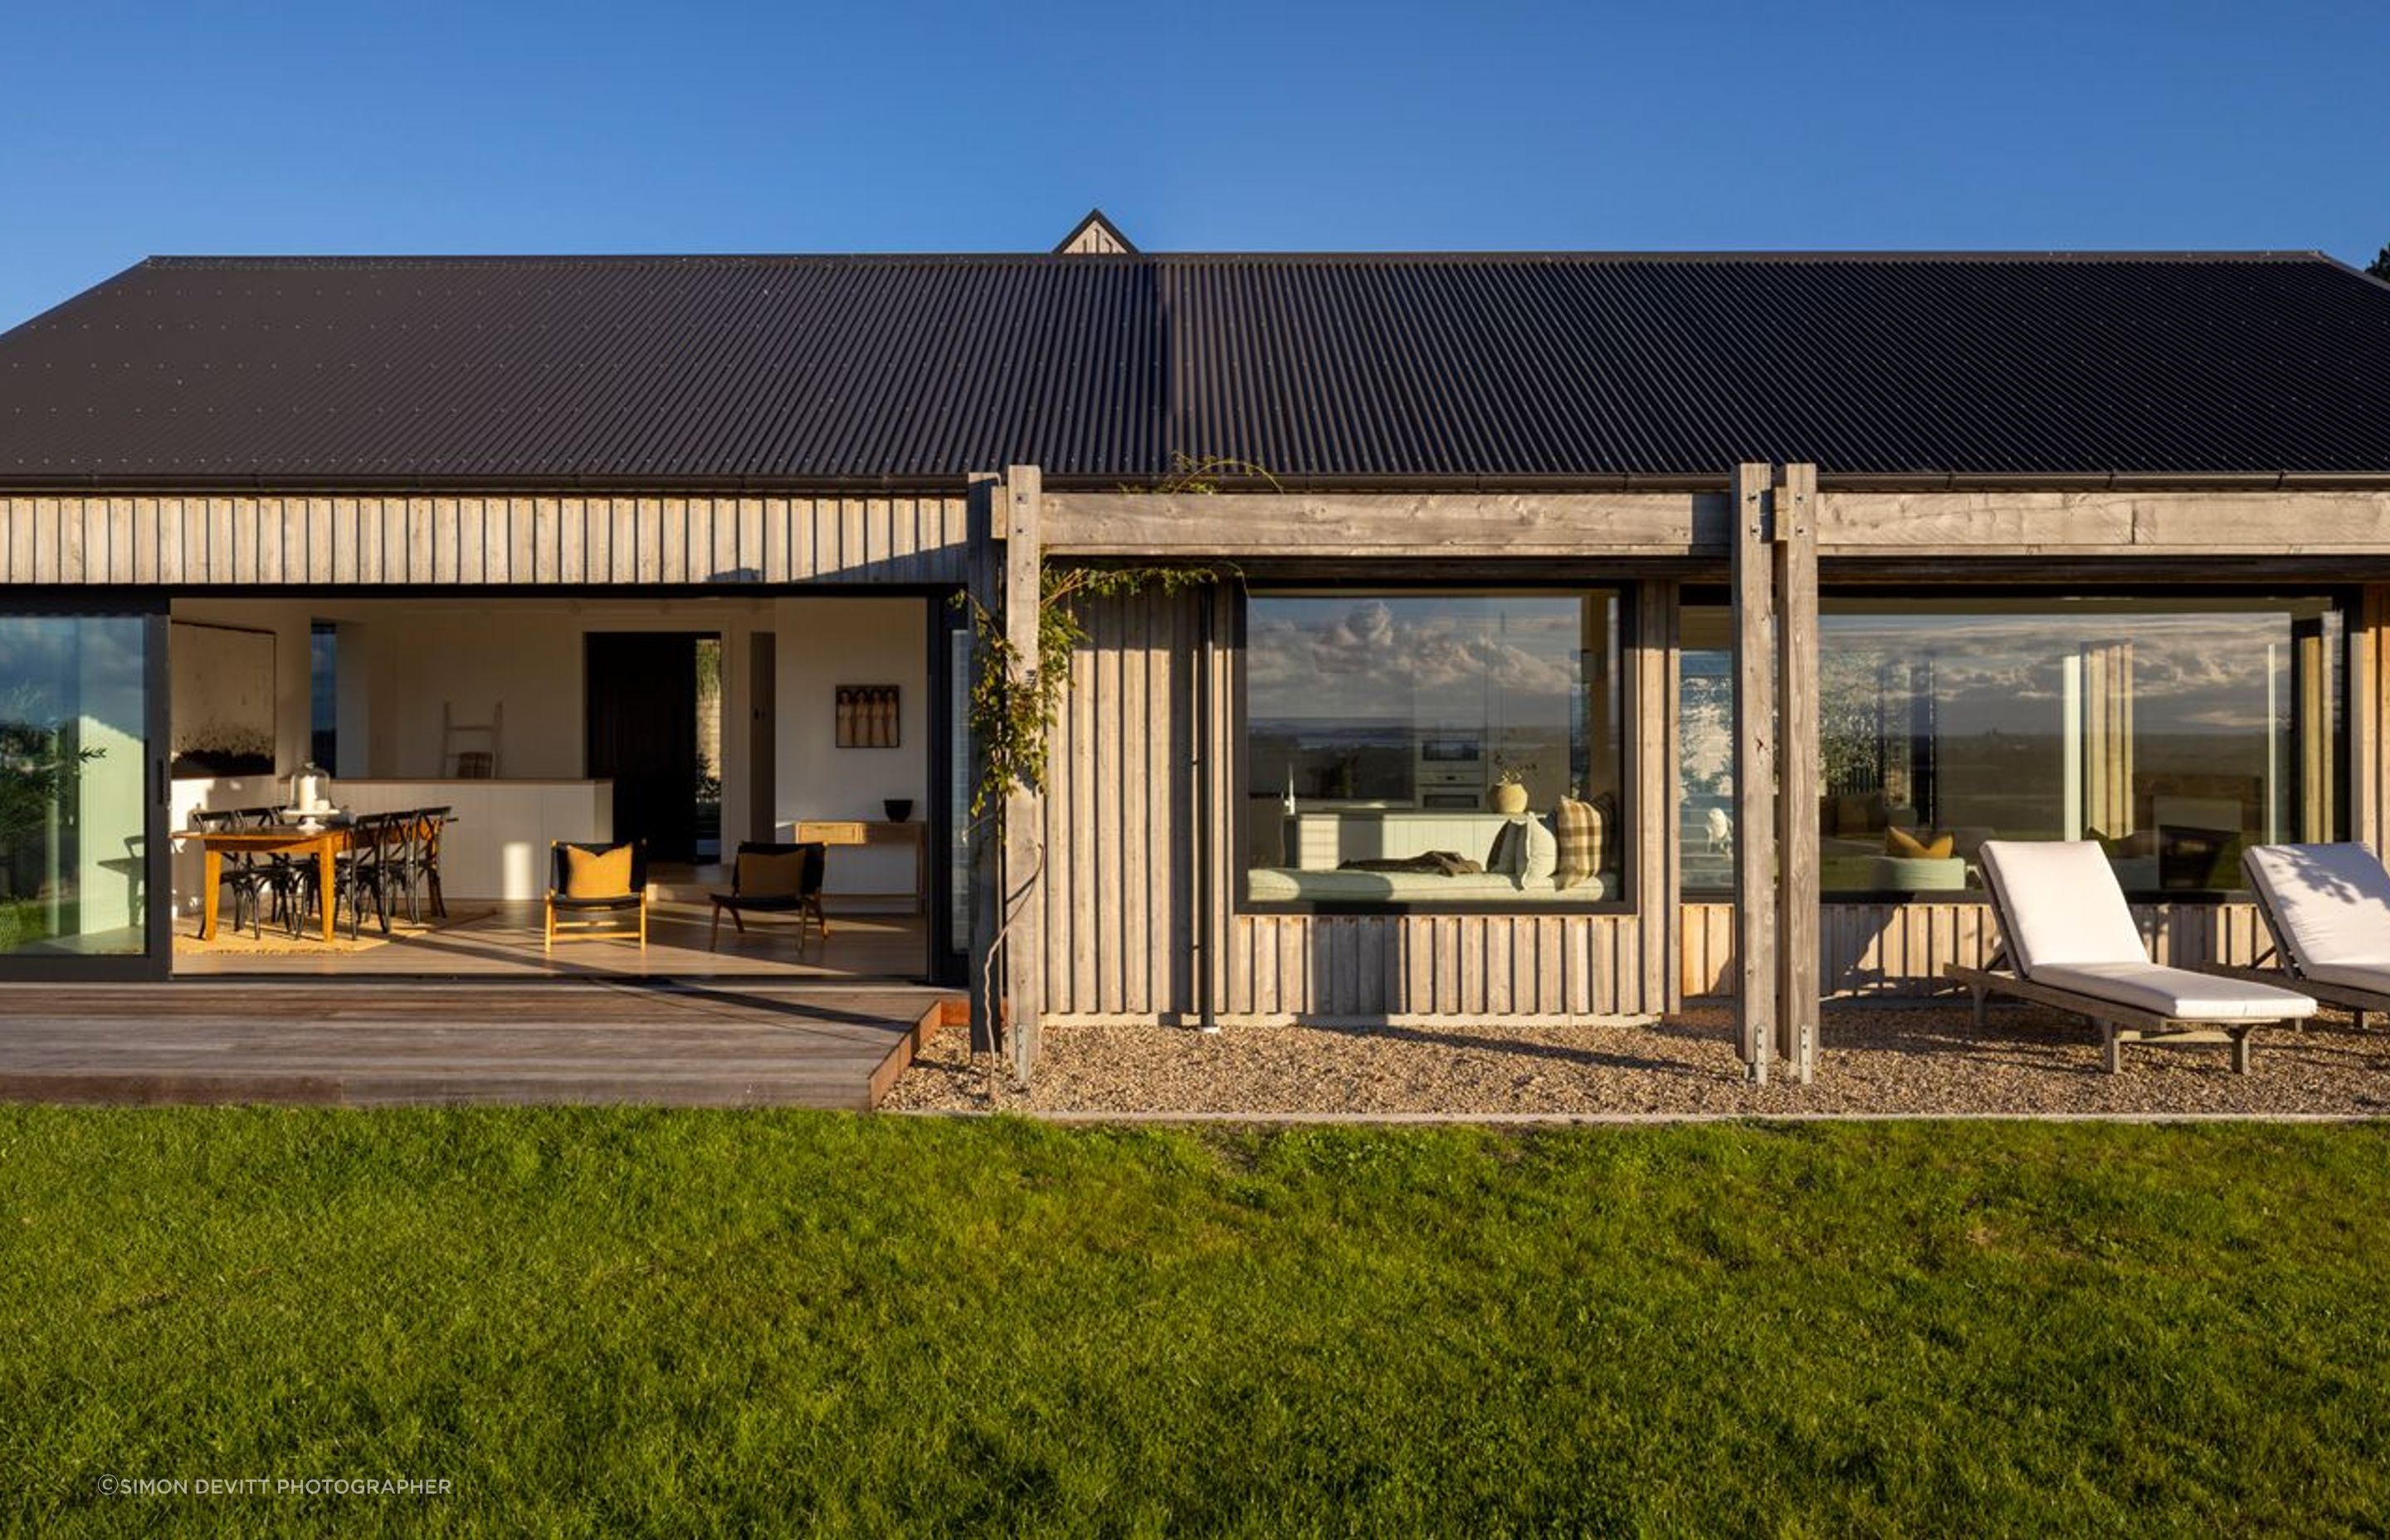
1095 235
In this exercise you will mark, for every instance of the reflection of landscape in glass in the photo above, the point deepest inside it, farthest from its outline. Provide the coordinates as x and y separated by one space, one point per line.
1972 719
72 719
1348 697
2172 730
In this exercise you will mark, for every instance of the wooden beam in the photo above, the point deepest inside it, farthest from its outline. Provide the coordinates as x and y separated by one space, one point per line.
1754 771
1384 525
1797 769
2135 522
1020 507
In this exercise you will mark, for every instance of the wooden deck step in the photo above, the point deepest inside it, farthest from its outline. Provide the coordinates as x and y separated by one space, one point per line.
716 1043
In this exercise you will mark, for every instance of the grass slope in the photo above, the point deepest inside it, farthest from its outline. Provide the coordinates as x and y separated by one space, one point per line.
609 1321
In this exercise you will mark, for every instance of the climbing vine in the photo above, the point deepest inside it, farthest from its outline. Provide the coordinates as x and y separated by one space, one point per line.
1015 700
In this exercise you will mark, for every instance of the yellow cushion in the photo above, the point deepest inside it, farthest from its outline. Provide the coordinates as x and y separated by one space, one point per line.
1899 841
761 876
598 874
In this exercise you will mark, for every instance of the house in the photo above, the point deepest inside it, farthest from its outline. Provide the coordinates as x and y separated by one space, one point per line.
1774 584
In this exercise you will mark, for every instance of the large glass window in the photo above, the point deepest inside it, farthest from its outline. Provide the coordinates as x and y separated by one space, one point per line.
1432 749
323 695
73 806
2174 731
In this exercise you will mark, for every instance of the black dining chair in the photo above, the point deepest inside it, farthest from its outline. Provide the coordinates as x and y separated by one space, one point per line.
239 873
289 880
366 868
427 856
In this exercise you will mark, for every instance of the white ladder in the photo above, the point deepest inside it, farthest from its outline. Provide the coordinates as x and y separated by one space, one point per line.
479 761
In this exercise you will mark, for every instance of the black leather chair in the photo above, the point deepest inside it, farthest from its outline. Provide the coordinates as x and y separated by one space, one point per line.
805 903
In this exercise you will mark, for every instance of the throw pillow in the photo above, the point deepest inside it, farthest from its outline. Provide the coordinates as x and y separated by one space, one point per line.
597 874
762 875
1540 853
1503 857
1578 828
1901 842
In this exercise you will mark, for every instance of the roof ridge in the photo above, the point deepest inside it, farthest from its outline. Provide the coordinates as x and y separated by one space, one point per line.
761 259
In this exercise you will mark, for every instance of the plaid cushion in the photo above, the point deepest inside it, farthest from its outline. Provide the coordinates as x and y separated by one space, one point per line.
1578 826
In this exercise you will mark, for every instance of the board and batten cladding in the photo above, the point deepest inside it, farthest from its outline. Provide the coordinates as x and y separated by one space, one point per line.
1127 849
1899 950
518 541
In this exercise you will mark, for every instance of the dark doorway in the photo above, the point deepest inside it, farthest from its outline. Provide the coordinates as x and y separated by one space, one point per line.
762 774
643 735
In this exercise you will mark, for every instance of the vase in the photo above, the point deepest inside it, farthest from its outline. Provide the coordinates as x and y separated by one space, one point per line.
1511 797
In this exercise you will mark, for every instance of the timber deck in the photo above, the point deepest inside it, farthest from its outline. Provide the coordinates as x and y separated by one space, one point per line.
656 1042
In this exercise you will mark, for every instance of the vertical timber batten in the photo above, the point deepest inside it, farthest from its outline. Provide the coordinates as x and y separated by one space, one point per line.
1650 712
1754 770
1797 770
468 539
1022 857
2368 767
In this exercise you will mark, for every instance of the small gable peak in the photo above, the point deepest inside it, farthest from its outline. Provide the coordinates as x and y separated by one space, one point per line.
1095 235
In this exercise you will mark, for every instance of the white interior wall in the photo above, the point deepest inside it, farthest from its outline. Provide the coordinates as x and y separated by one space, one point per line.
400 659
823 643
291 621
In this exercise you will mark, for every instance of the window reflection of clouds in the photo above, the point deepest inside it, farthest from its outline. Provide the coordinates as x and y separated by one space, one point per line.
1320 657
2191 671
92 665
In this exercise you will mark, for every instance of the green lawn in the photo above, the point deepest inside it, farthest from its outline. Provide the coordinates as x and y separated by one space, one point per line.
607 1322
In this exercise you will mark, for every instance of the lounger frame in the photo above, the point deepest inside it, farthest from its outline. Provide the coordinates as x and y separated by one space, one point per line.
2118 1024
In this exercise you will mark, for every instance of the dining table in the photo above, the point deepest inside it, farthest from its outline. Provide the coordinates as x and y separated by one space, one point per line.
325 842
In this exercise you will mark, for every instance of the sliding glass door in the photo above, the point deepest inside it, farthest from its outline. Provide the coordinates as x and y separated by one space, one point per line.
82 863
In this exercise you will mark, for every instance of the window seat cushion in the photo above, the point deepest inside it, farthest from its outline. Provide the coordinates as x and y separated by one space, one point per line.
1288 885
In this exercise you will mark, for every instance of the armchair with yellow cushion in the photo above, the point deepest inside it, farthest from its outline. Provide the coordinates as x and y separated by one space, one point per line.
592 888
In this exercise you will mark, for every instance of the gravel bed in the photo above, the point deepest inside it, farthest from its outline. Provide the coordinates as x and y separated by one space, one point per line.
1927 1058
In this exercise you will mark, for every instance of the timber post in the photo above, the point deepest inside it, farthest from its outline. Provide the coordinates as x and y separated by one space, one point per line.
1019 504
1756 684
1797 770
1654 789
2368 707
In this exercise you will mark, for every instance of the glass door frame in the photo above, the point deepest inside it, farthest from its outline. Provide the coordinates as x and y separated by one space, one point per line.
155 962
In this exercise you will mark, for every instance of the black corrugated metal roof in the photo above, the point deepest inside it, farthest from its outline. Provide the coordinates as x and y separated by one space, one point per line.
1324 368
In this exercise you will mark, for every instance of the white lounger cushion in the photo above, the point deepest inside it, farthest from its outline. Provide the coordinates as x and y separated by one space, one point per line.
2330 902
2060 904
2175 992
2375 977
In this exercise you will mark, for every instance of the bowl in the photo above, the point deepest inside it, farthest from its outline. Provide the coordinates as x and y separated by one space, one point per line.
899 809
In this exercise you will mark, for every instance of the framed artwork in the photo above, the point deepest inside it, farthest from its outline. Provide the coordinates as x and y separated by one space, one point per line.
222 698
867 716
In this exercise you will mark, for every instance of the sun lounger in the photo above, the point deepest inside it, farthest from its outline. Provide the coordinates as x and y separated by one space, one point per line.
2328 909
2070 941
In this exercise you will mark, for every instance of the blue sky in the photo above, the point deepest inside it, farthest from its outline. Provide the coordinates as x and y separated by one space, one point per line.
359 126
